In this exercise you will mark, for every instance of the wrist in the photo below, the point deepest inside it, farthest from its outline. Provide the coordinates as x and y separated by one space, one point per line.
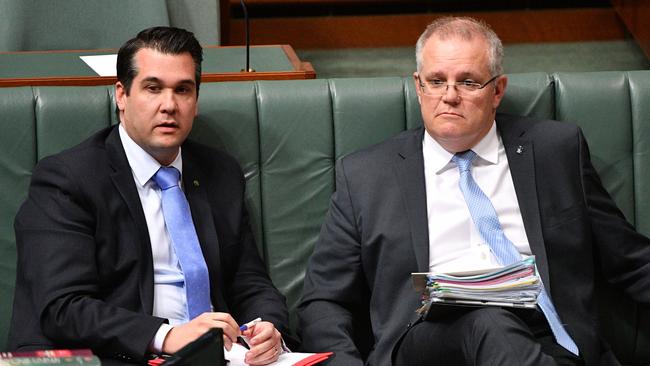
160 339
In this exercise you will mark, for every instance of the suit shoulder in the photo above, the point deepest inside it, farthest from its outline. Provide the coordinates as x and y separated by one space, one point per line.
536 128
537 123
88 153
405 142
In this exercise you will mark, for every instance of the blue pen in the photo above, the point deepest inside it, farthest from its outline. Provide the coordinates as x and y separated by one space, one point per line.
250 324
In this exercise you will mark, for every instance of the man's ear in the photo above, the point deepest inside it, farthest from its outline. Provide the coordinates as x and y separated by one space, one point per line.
417 86
120 96
499 90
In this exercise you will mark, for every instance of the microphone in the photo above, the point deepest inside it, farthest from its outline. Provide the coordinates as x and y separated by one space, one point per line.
248 39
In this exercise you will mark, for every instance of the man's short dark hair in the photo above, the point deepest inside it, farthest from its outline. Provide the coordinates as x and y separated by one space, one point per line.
167 40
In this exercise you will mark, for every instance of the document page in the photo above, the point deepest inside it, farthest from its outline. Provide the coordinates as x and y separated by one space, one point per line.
103 65
237 353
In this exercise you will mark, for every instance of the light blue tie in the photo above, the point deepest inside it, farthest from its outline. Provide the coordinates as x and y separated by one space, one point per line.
487 222
181 229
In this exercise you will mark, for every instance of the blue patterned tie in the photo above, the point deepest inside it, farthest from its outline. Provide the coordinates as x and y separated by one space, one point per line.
181 229
487 222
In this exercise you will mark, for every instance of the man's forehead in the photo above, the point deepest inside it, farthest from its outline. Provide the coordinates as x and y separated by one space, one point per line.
457 54
150 63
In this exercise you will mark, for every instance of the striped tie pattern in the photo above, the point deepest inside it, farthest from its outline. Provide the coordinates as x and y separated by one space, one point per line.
487 222
180 226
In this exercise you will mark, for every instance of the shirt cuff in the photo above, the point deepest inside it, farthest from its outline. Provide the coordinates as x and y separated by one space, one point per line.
158 340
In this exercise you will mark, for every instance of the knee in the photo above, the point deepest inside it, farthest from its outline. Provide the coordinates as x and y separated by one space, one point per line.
492 320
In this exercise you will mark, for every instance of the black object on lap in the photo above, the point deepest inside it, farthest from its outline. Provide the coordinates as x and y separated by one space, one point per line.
205 350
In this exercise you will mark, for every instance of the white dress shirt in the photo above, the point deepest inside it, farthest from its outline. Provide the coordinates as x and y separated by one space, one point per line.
170 300
455 244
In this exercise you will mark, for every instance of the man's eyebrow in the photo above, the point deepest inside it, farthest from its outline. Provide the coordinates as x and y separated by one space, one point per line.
158 81
150 79
467 74
432 75
187 81
442 75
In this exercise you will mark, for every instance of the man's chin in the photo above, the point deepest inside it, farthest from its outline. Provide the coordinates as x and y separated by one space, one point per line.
169 139
448 129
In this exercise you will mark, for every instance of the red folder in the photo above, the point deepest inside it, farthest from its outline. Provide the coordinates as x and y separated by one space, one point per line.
314 359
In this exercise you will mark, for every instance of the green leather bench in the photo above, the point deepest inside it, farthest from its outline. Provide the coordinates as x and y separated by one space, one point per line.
287 136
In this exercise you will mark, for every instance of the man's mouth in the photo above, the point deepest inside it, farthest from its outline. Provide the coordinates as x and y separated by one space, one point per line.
449 114
167 126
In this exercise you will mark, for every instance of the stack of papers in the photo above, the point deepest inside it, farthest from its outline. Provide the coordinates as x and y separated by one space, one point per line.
516 285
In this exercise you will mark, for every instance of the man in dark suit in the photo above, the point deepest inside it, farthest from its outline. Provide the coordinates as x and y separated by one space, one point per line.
99 264
402 206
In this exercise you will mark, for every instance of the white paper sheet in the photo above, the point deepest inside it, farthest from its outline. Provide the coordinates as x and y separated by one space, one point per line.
103 65
237 353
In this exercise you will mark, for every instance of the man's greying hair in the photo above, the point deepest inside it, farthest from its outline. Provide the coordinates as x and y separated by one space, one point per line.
167 40
464 28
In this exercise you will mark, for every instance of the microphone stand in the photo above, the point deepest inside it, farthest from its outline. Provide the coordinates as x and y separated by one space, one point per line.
248 39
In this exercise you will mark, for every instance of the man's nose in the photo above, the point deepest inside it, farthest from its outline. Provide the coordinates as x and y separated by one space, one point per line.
451 94
168 102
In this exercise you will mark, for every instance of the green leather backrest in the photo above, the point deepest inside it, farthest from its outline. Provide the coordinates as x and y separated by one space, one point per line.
27 25
17 157
287 135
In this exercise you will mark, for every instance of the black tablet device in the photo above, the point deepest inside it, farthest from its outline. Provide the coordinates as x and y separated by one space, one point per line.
207 350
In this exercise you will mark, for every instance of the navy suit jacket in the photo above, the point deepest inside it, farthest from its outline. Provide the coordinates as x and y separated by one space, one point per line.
376 234
85 269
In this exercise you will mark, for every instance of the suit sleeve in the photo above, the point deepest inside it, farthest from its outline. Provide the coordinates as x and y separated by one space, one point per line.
57 270
335 291
623 253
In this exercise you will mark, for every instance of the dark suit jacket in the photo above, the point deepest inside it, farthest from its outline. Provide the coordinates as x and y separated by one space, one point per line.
85 270
376 234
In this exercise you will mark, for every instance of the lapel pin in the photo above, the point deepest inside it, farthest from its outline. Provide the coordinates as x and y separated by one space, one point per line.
196 183
520 149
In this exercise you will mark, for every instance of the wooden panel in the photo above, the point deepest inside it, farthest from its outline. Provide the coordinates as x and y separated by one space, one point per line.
306 71
520 26
636 16
295 69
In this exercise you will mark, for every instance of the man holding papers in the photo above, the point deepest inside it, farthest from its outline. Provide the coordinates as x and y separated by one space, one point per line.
137 241
471 190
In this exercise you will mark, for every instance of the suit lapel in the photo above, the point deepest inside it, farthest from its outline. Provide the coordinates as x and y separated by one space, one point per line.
194 183
521 160
409 170
122 178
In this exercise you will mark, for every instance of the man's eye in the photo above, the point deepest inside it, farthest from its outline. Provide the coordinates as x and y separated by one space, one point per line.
470 83
183 90
436 82
153 88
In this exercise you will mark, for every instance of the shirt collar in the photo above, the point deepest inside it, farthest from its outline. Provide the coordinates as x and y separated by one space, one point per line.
143 165
440 159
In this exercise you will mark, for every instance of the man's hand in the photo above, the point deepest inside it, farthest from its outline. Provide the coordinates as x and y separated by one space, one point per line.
181 335
265 342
